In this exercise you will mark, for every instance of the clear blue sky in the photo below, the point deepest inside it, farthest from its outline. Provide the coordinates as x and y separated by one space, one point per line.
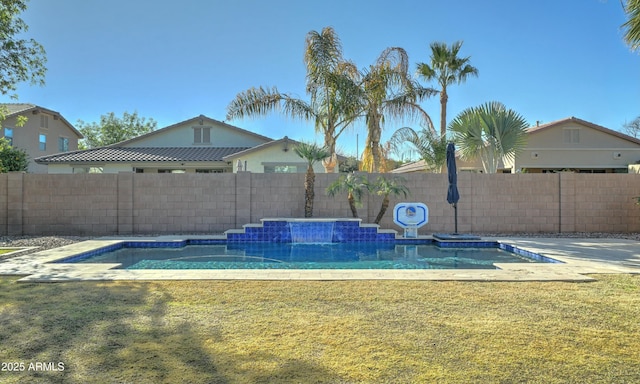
171 61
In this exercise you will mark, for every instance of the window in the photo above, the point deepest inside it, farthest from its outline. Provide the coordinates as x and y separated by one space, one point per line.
8 134
202 135
571 135
44 121
210 170
171 171
88 170
284 169
63 144
43 142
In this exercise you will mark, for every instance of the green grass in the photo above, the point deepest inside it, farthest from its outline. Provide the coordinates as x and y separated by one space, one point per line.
3 251
332 332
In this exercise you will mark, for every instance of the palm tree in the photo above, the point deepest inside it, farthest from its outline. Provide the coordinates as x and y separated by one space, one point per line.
388 90
312 153
632 25
330 108
354 186
446 68
386 187
490 131
428 146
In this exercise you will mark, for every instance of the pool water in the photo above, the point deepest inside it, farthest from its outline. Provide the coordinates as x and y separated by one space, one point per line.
308 256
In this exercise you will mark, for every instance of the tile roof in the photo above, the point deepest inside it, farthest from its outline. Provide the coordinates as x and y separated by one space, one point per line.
140 154
15 108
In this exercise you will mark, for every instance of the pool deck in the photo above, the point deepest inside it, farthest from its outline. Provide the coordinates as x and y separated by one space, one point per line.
580 257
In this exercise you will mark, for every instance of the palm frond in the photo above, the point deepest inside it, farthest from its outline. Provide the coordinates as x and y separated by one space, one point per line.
632 26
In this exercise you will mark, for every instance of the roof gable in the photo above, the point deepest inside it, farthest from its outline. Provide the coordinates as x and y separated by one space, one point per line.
181 134
16 109
570 122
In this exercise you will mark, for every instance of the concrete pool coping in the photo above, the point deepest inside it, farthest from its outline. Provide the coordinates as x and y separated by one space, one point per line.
580 257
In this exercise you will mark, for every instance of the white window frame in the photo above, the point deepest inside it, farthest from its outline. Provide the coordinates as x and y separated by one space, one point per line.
8 134
63 148
571 135
42 145
202 135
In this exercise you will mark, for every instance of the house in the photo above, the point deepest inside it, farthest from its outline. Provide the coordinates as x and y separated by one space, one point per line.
197 145
45 132
570 144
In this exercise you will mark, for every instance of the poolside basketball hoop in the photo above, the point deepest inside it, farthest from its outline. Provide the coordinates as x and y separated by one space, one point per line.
410 216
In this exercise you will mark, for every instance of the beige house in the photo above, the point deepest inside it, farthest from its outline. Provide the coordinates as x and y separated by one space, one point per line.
197 145
45 132
569 144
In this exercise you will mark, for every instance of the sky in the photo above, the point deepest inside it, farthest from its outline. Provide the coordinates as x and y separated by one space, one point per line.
172 61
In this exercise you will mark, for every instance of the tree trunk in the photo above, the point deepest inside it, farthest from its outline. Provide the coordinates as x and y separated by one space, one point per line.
383 209
330 163
352 205
309 182
443 112
374 143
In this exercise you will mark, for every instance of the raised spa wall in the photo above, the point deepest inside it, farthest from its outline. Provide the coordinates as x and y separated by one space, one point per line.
340 230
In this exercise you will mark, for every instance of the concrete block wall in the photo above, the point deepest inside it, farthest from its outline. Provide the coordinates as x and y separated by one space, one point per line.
127 203
64 204
165 203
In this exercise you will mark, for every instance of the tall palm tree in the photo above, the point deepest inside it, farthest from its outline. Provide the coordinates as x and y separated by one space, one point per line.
430 147
387 90
632 25
330 106
385 188
446 68
490 131
355 187
312 153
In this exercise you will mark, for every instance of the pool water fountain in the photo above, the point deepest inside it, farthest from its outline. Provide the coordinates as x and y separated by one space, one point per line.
311 231
320 230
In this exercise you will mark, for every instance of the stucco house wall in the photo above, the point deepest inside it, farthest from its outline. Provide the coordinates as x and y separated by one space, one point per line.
40 121
277 153
576 144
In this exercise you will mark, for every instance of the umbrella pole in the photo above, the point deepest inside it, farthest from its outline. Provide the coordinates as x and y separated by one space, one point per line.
455 209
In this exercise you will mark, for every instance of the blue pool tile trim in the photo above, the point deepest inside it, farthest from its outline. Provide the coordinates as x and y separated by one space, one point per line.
392 242
528 254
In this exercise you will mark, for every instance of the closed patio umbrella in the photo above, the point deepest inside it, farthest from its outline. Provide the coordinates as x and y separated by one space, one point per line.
452 193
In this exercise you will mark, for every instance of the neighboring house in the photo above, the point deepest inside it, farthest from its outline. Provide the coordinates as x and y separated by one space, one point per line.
569 144
45 132
197 145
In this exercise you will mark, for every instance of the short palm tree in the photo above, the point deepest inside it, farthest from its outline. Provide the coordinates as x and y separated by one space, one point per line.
355 186
430 147
632 25
385 188
312 154
490 131
446 68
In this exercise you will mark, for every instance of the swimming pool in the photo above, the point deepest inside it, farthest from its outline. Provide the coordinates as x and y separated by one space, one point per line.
264 255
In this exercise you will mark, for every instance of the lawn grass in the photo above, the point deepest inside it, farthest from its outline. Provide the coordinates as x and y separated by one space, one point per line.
332 332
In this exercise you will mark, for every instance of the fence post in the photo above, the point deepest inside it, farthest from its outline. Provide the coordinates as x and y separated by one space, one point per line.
243 198
15 182
125 203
